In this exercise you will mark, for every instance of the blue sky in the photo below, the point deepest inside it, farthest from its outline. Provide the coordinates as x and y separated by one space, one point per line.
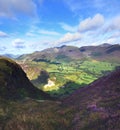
33 25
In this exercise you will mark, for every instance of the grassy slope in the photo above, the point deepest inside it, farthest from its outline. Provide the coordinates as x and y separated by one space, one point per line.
32 115
97 105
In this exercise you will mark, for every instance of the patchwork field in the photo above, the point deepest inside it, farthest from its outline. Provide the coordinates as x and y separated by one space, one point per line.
61 79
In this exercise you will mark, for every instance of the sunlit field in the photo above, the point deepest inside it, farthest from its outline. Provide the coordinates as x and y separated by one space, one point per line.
64 77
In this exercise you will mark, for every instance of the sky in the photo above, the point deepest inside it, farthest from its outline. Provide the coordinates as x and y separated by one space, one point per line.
33 25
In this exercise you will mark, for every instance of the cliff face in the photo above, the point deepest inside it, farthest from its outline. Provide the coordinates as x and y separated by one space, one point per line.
14 83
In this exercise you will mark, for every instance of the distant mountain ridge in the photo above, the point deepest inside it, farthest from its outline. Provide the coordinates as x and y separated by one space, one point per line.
11 56
70 53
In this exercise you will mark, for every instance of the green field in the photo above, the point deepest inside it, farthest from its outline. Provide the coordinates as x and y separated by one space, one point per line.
67 77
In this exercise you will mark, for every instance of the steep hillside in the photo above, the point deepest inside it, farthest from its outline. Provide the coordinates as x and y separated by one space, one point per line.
97 105
14 83
63 53
105 52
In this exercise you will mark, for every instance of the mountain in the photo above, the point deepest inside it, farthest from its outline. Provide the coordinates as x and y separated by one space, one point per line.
70 53
11 56
104 52
97 106
14 83
52 54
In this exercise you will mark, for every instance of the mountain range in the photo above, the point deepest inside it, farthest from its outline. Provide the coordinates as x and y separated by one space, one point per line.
70 53
12 56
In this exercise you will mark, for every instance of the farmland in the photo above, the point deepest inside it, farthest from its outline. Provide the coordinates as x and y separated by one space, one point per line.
65 77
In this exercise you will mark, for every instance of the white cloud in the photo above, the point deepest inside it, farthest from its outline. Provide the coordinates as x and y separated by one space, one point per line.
3 34
70 37
112 25
92 32
115 24
111 40
18 43
68 27
36 31
91 23
88 6
46 32
116 34
9 8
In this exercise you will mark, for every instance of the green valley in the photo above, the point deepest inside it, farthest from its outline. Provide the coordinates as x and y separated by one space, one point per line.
61 70
64 78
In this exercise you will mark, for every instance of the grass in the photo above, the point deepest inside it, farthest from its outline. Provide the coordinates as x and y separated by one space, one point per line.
31 115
